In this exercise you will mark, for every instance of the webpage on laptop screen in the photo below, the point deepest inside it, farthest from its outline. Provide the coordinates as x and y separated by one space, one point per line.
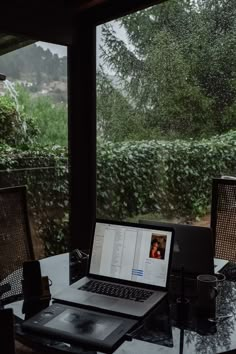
131 253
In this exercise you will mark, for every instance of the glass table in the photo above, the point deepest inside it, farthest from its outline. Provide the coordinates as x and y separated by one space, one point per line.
165 330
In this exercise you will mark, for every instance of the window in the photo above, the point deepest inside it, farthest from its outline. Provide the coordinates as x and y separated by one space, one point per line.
166 110
33 138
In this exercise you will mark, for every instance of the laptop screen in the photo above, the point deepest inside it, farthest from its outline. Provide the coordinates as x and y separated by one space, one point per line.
135 253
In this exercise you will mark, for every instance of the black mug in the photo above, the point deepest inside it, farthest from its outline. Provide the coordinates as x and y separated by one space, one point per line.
206 295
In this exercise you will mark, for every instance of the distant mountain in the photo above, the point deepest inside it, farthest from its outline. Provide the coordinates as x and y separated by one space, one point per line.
60 50
34 64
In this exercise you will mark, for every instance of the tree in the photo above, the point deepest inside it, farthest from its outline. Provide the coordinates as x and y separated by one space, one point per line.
216 65
177 65
117 119
34 64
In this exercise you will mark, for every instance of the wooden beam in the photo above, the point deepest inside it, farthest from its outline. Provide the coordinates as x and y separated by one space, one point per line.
87 4
47 25
113 9
10 43
82 134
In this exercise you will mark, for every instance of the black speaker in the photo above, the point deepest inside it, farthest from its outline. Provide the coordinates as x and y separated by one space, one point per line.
32 285
32 288
7 340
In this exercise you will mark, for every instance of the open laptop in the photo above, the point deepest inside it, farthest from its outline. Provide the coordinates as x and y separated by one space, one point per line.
128 269
193 249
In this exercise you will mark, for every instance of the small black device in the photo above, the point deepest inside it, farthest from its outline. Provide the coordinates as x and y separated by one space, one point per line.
32 279
34 299
90 329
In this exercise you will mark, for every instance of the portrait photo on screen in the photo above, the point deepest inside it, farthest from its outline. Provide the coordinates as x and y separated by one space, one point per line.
157 246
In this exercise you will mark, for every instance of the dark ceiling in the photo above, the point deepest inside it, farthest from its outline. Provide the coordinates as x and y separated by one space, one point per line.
50 21
9 43
56 21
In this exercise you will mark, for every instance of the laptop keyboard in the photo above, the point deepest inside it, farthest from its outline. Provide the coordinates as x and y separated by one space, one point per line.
116 290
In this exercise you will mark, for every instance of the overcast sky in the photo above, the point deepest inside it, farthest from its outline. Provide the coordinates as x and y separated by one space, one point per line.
60 50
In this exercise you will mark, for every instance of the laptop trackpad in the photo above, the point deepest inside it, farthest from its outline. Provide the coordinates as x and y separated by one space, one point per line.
97 300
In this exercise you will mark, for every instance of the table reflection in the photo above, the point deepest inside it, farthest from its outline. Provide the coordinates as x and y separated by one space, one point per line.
193 334
163 331
224 338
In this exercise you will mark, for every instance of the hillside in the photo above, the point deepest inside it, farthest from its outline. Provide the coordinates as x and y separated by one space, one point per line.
39 70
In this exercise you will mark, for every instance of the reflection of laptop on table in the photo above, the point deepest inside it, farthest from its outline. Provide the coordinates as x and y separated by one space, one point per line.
128 269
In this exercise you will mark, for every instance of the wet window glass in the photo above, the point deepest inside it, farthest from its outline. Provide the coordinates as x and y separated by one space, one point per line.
166 110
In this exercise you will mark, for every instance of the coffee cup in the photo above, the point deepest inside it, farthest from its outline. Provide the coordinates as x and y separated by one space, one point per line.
206 294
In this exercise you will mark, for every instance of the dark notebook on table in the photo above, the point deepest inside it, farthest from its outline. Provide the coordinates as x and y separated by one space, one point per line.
128 269
63 327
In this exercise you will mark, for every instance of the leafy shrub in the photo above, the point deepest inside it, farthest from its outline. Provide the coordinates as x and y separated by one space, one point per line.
45 172
50 117
15 127
171 178
129 178
7 119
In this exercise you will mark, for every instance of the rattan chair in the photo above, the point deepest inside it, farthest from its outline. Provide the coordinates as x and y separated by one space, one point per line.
223 217
15 242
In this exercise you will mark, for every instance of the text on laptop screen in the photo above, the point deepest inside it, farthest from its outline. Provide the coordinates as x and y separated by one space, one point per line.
131 253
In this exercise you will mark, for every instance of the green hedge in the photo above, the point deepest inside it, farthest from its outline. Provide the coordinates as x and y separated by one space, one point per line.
133 178
170 178
45 172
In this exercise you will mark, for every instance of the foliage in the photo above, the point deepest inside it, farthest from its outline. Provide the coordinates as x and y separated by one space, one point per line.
133 178
37 120
171 178
8 117
50 117
175 65
117 119
45 172
15 127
